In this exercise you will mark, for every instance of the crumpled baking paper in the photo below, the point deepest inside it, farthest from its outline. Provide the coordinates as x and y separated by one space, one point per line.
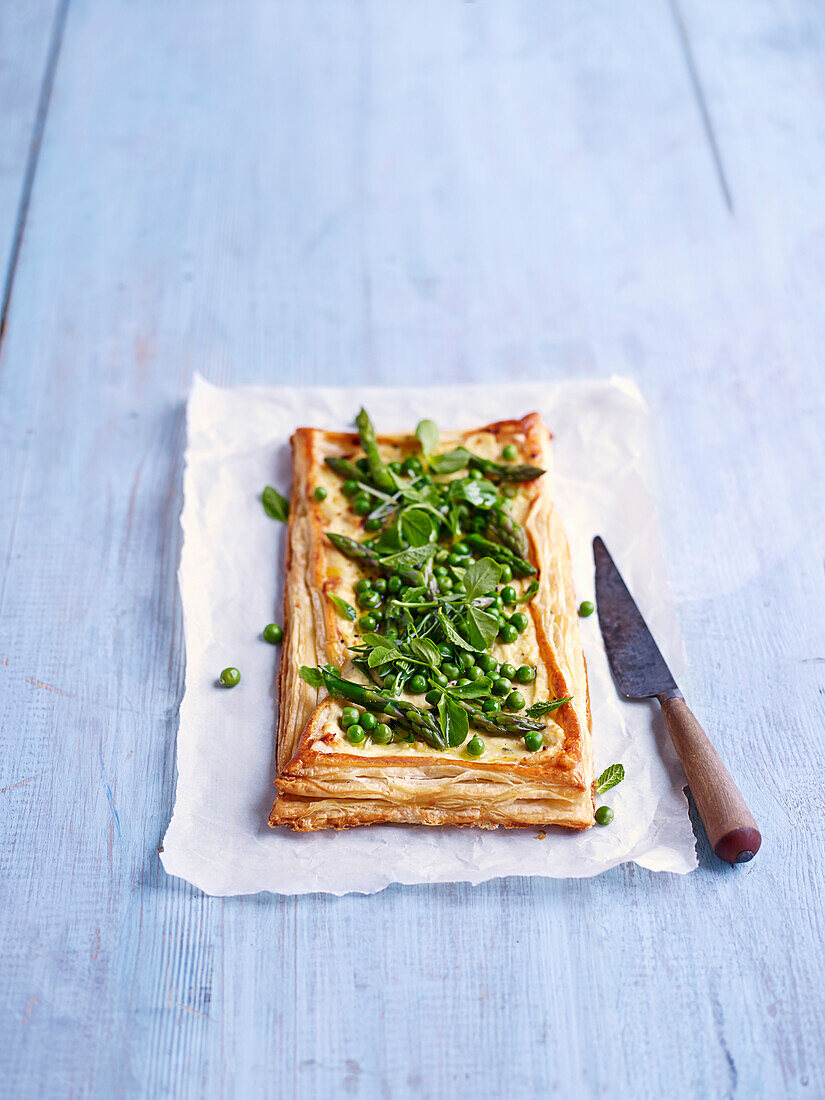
231 580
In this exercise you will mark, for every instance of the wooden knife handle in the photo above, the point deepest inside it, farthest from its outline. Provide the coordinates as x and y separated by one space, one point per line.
729 824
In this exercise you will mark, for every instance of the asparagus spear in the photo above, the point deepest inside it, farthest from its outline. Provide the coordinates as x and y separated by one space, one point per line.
378 469
500 725
364 555
420 722
498 471
345 469
501 554
502 528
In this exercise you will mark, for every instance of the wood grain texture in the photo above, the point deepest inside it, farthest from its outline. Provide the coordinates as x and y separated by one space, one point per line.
324 191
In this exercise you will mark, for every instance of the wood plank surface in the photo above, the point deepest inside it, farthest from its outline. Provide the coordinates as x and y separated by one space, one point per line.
329 192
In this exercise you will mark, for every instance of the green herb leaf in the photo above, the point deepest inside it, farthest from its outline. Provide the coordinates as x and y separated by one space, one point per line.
274 504
344 609
450 462
538 709
529 592
470 691
417 526
455 722
452 635
482 627
312 676
409 559
481 577
610 777
428 436
483 494
424 650
382 655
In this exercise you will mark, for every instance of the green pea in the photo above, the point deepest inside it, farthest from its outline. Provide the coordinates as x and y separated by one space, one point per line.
463 682
417 684
369 599
412 467
356 734
475 746
587 607
475 475
396 467
349 716
455 559
273 633
533 740
368 721
506 575
508 633
509 491
391 632
507 671
394 584
526 674
486 661
514 701
368 623
350 488
467 659
361 505
372 523
433 696
450 670
491 706
510 453
382 734
439 678
379 585
445 584
508 595
441 571
230 677
473 673
461 548
501 686
519 621
495 603
604 815
441 556
446 651
364 585
320 493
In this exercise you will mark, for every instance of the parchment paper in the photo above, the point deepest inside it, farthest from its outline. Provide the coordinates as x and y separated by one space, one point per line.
231 580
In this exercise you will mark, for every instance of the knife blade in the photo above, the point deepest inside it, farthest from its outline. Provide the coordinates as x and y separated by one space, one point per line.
641 672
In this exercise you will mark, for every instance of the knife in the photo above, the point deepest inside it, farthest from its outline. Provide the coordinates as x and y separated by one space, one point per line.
640 672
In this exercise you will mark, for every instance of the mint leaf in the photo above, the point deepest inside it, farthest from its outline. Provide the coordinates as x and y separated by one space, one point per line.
417 526
450 462
470 691
455 723
610 777
409 559
481 577
452 635
483 494
482 627
424 650
538 709
274 504
312 676
382 655
428 436
344 609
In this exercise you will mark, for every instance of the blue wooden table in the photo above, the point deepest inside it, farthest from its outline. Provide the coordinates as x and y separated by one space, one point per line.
337 191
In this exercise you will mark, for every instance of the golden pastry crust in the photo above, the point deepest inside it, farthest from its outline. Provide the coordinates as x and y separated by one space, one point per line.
322 780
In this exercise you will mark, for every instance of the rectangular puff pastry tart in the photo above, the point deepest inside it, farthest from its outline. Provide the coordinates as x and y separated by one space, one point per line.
432 671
